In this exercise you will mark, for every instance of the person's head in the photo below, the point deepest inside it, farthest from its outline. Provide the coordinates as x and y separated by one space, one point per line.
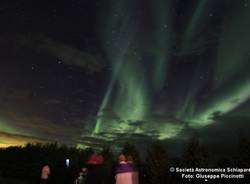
96 159
122 158
92 159
84 170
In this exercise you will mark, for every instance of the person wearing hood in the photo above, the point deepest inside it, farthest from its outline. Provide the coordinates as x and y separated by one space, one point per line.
45 174
126 173
95 169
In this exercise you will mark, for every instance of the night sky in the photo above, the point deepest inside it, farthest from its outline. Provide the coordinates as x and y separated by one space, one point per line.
102 72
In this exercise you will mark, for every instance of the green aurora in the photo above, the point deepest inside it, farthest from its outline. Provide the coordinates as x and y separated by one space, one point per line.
127 107
132 101
109 71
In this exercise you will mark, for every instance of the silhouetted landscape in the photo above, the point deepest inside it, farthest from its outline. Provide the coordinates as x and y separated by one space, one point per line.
23 164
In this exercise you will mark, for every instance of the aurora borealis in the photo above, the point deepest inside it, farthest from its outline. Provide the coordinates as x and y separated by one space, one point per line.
105 72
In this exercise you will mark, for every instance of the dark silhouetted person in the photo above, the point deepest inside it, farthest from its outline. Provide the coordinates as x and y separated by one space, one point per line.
82 177
126 172
95 169
45 174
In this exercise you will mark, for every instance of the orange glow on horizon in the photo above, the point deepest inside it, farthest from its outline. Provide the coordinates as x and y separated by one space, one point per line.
8 140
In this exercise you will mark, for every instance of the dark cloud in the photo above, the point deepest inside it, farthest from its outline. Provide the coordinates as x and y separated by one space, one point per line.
65 53
70 55
53 101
